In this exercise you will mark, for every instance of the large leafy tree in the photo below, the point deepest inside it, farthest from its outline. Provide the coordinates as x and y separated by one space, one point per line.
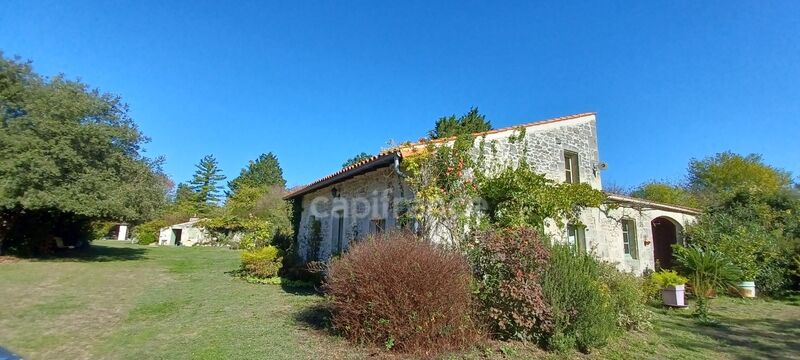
665 193
205 183
263 172
716 179
449 126
69 155
355 159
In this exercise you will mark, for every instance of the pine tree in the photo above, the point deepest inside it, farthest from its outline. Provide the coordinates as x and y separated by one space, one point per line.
262 173
205 183
471 122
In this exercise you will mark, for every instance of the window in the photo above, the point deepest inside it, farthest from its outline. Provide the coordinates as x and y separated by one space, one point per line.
338 231
576 237
377 226
629 242
571 167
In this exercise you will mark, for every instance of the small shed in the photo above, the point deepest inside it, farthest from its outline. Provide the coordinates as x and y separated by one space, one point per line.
183 234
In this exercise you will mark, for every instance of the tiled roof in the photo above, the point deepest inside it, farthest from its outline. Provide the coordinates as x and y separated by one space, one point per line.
411 148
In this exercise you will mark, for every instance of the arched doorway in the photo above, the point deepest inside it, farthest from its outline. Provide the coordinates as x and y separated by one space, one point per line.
665 234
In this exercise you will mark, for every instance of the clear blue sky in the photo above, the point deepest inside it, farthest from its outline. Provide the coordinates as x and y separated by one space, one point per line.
317 82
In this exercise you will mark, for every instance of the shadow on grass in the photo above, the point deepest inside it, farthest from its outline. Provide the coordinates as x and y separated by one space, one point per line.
748 338
98 253
317 317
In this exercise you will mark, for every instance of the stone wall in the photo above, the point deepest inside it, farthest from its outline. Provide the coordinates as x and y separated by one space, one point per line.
543 147
372 196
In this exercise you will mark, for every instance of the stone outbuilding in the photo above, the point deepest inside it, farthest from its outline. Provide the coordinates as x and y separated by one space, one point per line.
364 198
184 234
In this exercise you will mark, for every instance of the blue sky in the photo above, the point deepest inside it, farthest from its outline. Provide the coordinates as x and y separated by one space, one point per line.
317 82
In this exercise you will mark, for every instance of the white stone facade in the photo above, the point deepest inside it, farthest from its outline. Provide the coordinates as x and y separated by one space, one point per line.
183 234
543 146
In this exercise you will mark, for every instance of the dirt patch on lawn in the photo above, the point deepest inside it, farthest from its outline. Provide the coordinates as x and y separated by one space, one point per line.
9 259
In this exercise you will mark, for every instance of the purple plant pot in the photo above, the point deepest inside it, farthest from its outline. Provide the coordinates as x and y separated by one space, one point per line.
674 296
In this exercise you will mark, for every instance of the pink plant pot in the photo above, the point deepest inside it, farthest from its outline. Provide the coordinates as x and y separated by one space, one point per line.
674 296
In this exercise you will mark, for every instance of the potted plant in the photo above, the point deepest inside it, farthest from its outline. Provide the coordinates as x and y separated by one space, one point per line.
672 287
707 269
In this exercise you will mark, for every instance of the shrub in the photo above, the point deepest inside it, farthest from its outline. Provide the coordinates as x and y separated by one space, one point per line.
509 264
147 233
628 298
667 278
262 262
582 306
707 270
399 292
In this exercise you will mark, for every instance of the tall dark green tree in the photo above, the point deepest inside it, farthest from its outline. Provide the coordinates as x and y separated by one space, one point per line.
360 157
261 173
205 183
471 122
69 155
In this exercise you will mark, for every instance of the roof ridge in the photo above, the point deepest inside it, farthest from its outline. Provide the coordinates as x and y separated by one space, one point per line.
411 145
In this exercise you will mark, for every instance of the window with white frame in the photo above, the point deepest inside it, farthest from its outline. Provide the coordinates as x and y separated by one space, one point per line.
572 175
629 242
576 237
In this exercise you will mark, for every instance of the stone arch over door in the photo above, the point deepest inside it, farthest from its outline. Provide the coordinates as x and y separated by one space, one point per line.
666 232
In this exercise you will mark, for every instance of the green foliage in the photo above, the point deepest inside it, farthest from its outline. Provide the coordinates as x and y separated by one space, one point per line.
356 159
520 196
665 193
469 123
263 173
444 189
554 296
706 270
508 264
101 228
581 303
667 278
262 262
147 233
281 281
628 298
717 178
205 183
71 152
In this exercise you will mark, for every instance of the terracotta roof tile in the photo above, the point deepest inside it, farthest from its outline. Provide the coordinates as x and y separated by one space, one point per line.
408 149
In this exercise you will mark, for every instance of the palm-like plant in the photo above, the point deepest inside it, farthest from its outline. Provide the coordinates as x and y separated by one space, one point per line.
706 269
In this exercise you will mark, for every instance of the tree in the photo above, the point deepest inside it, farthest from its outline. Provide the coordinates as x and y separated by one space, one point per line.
355 159
449 126
665 193
69 155
717 178
205 183
184 194
264 172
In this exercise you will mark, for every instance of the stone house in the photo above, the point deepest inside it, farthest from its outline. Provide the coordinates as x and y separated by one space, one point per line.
363 198
183 234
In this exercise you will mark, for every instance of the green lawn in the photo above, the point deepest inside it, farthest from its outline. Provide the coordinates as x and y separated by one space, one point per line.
131 302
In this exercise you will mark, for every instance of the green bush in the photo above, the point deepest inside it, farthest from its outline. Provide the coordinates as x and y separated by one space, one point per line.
628 298
262 262
147 233
581 303
509 265
666 278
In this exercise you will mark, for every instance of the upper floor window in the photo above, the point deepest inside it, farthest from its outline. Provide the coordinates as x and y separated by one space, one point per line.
629 242
571 167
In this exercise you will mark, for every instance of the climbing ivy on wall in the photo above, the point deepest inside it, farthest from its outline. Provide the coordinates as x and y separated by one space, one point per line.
449 180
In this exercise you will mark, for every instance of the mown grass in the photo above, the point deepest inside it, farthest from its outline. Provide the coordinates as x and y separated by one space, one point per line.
123 301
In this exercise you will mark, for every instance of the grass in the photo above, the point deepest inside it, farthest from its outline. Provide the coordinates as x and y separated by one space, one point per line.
123 301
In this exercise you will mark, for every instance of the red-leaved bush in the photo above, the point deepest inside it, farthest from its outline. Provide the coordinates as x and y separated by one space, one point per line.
509 264
402 293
